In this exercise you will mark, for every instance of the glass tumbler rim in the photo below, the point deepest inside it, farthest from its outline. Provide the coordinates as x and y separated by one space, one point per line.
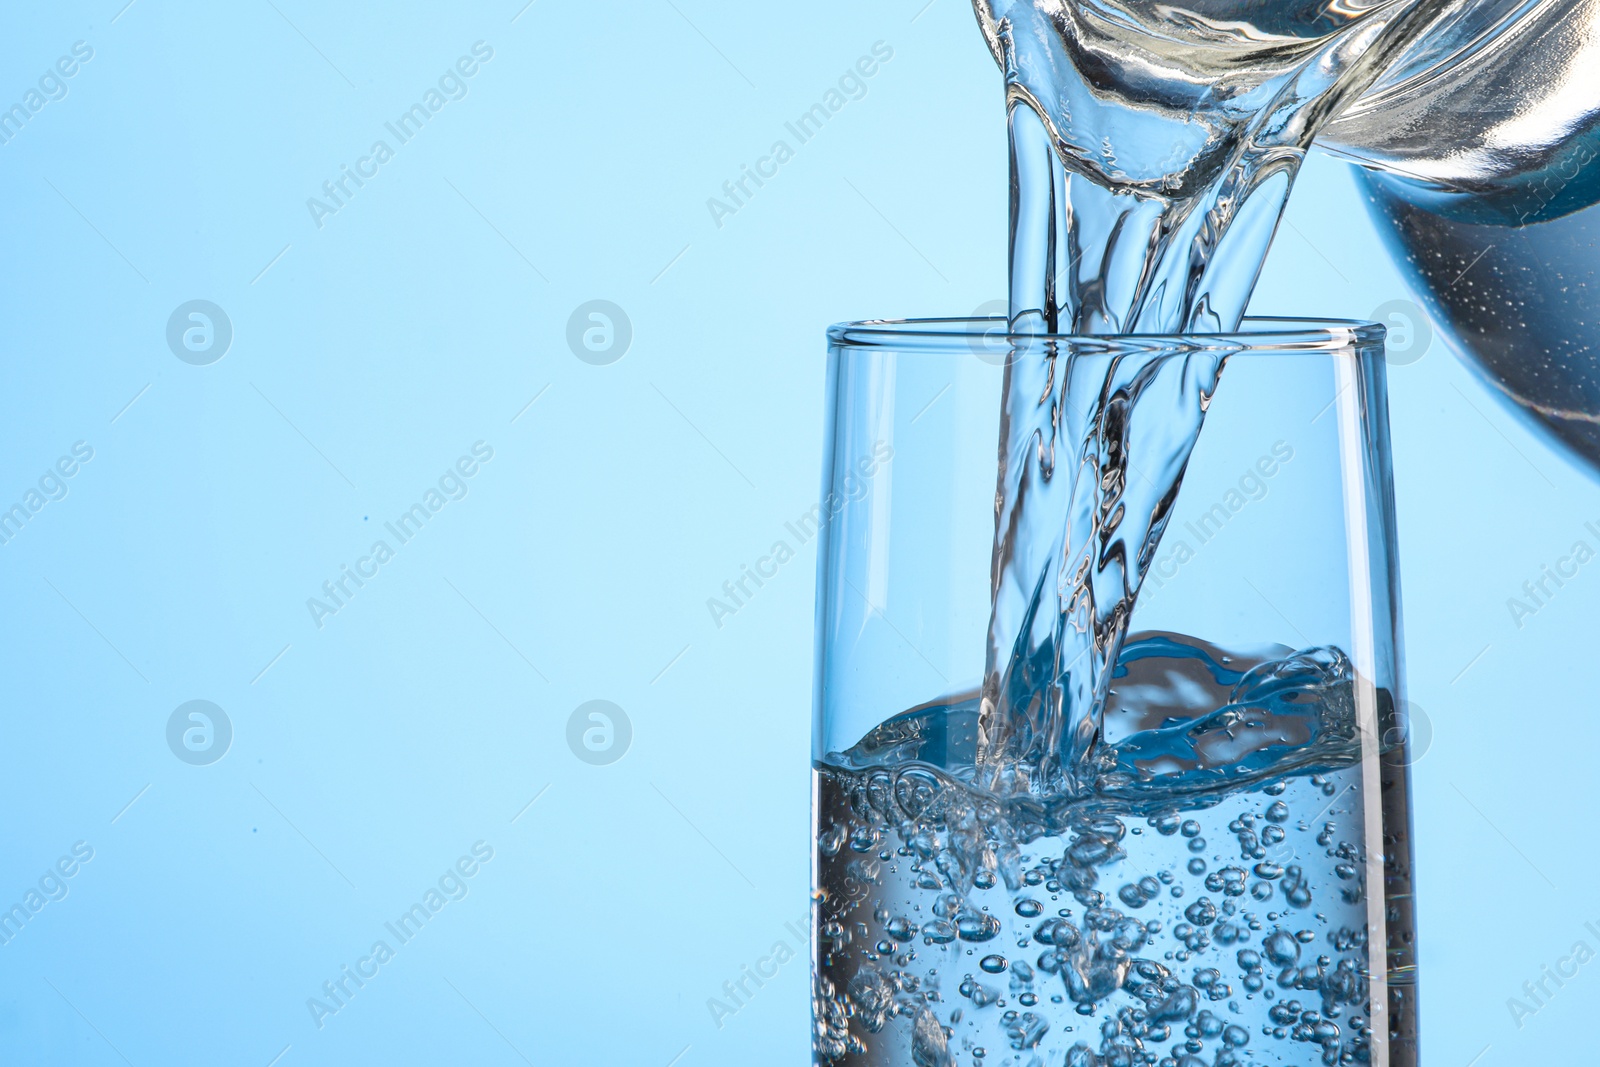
1258 335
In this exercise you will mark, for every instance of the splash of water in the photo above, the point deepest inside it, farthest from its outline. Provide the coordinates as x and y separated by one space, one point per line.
1153 147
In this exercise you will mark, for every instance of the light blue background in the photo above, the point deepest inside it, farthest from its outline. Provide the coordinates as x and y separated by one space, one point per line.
423 317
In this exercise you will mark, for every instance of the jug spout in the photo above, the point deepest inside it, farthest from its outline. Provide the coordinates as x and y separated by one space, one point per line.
1491 116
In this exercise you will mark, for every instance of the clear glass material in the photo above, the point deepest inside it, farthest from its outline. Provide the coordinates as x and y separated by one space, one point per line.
1232 879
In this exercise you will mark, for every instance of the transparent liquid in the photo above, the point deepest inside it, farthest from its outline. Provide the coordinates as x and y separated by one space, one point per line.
1210 901
1235 934
1153 149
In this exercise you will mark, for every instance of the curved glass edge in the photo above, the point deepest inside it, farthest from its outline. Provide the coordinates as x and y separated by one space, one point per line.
1257 335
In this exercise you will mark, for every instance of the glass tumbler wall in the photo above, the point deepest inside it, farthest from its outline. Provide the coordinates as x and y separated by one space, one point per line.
1229 878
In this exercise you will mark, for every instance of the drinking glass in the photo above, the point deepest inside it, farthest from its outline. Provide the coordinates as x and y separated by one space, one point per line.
1235 885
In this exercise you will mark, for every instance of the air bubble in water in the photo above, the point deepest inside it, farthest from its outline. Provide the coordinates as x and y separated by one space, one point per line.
1281 947
977 926
980 994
